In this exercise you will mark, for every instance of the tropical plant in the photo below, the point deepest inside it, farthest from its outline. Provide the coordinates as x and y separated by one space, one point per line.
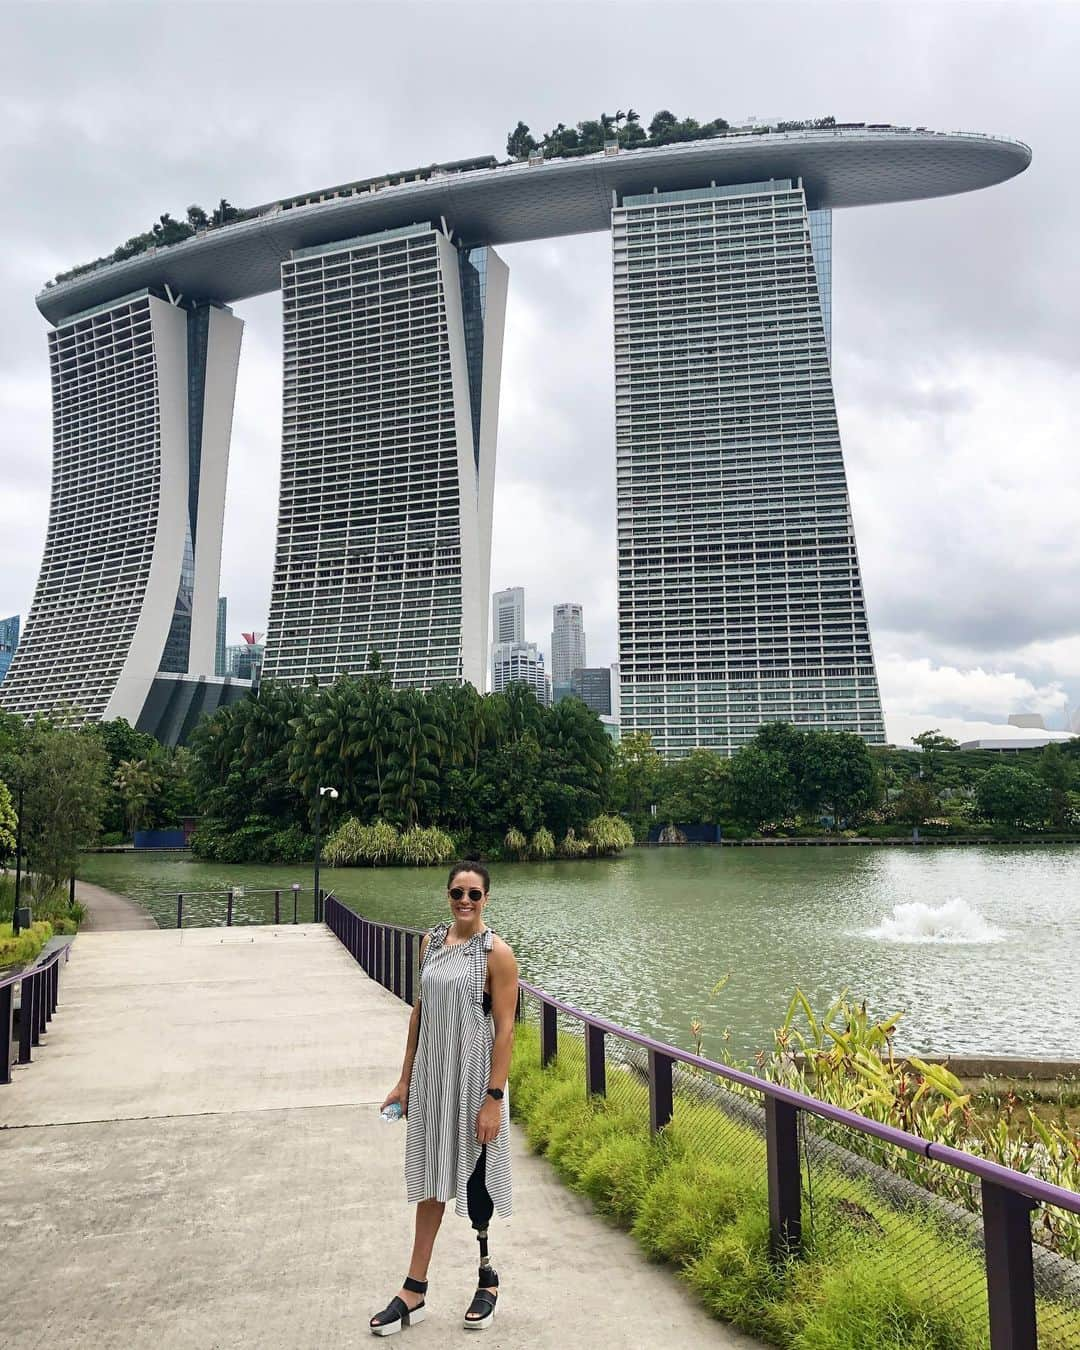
573 847
515 843
542 844
136 782
608 835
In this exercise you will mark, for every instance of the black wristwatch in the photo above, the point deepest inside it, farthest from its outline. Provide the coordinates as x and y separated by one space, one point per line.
497 1093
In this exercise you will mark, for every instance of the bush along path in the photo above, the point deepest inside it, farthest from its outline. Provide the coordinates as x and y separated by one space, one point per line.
871 1277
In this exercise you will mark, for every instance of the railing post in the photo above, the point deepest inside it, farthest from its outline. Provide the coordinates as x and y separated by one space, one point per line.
549 1034
55 985
26 1002
46 996
595 1063
661 1098
785 1178
519 1010
41 1004
180 911
1010 1274
386 950
295 902
277 906
228 911
7 1005
397 962
410 956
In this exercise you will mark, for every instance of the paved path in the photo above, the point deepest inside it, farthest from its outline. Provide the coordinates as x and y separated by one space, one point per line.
107 912
195 1159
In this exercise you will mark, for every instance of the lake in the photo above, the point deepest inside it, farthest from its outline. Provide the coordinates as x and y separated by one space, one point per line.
979 946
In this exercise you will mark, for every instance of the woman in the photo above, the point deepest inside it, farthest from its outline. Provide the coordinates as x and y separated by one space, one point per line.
453 1092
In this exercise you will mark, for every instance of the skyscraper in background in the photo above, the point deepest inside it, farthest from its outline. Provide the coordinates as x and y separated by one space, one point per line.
519 662
220 660
567 647
393 347
142 395
508 615
740 597
9 640
592 684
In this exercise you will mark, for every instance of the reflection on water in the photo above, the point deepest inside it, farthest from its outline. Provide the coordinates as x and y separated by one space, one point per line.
645 937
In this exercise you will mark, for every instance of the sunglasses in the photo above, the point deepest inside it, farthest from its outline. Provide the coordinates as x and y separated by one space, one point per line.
474 895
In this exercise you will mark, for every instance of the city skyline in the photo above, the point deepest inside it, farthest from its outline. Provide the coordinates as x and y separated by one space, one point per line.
973 646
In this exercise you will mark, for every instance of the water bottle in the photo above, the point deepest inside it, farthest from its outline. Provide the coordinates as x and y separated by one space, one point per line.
391 1112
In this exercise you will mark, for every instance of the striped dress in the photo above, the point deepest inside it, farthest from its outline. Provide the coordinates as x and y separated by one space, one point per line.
450 1077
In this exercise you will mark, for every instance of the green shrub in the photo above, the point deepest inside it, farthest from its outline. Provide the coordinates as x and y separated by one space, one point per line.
542 845
424 846
573 847
608 835
356 845
515 843
21 950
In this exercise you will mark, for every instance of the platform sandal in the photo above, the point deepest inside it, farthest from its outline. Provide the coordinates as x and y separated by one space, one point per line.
397 1313
483 1305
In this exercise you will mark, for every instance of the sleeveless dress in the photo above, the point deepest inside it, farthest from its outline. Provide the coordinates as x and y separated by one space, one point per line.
450 1077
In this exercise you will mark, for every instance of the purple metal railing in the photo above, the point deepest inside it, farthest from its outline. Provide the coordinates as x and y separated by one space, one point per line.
388 953
39 995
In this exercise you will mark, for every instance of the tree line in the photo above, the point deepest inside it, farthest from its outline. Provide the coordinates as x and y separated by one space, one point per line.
497 774
592 135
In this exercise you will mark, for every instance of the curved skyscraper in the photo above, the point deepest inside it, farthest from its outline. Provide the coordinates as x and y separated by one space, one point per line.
142 393
740 596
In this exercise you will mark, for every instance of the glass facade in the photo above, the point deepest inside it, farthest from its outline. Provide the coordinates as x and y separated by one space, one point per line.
472 263
740 598
9 640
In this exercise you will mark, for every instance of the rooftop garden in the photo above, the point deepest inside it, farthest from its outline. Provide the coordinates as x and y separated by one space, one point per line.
589 137
165 231
625 130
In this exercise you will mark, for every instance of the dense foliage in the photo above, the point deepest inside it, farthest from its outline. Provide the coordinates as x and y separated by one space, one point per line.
789 780
625 129
472 765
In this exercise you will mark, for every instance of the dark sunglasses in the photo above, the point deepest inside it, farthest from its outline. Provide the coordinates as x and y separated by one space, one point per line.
474 894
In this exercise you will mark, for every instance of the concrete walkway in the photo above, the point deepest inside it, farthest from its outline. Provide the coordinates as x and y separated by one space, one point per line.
107 912
195 1159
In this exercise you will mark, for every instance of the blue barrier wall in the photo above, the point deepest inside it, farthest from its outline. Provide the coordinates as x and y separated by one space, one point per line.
161 838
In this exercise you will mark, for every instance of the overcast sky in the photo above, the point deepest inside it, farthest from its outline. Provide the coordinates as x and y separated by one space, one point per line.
955 322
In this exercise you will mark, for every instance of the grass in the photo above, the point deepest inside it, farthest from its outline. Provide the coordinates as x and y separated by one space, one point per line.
695 1197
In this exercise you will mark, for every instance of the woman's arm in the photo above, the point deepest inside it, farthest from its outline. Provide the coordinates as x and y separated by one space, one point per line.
503 976
400 1091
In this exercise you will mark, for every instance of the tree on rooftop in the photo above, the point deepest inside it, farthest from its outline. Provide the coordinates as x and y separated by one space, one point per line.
520 142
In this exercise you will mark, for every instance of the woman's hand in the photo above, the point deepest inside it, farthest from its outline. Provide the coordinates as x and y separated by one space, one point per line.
398 1093
488 1121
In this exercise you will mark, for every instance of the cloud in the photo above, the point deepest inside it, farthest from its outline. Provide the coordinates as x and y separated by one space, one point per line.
920 692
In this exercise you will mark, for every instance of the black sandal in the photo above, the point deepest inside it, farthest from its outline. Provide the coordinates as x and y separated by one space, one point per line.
484 1304
397 1313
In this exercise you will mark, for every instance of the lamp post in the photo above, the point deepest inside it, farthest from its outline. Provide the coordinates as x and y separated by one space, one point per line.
332 793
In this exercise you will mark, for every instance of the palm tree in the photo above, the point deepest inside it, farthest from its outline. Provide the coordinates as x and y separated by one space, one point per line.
136 781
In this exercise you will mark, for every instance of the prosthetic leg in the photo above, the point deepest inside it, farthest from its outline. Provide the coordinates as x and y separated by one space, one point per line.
481 1207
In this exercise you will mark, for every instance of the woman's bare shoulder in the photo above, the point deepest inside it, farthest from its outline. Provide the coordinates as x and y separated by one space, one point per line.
501 955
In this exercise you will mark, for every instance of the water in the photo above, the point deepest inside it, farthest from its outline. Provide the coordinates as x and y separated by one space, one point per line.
979 947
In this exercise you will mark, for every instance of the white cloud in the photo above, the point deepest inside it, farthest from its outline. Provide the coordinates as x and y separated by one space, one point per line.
918 694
